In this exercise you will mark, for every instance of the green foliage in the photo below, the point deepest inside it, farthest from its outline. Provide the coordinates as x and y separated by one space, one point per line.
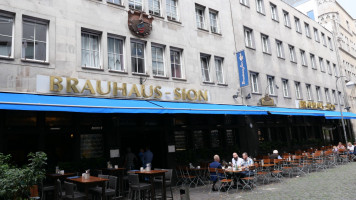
16 181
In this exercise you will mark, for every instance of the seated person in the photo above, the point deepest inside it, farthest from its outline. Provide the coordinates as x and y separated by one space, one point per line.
246 163
340 146
350 147
236 160
213 175
275 155
335 149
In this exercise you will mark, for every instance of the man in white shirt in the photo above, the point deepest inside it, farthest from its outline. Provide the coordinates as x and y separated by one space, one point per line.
236 161
350 147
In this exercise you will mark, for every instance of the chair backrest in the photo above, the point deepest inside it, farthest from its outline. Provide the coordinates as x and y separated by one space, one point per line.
168 175
266 161
59 188
133 179
113 182
103 176
221 173
69 188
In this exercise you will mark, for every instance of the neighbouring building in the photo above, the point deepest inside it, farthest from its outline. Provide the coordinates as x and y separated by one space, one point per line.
88 79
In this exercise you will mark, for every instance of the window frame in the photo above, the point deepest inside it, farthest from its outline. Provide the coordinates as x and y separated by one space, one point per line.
303 58
309 92
180 52
207 69
260 7
307 30
200 24
333 93
255 82
112 2
316 35
216 58
135 5
271 90
266 47
274 12
327 95
298 92
137 58
169 10
245 3
218 31
298 27
151 8
10 17
318 94
321 63
292 54
99 36
123 53
323 39
163 59
313 61
248 40
286 19
285 88
280 51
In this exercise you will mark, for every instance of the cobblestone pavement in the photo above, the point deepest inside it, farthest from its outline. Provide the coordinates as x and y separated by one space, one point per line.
335 183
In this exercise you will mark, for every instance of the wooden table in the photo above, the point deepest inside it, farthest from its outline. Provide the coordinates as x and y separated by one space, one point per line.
151 175
119 172
91 181
55 177
198 173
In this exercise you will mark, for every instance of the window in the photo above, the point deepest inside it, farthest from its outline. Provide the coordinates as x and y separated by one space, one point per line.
90 50
285 87
138 57
135 4
254 85
329 67
327 95
176 65
199 14
115 54
307 30
205 68
260 6
280 50
274 12
321 63
318 95
335 70
214 25
244 2
298 94
303 57
292 54
6 36
154 7
265 43
157 60
219 70
312 61
34 40
330 43
316 35
297 25
309 94
172 9
286 18
249 37
270 82
334 97
115 1
323 39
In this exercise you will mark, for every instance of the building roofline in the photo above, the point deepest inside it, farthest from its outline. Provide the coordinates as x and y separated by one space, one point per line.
345 10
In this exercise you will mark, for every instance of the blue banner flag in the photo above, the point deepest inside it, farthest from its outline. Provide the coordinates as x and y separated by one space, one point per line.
242 66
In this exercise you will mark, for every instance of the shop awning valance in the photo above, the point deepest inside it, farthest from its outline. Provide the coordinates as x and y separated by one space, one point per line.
291 111
337 115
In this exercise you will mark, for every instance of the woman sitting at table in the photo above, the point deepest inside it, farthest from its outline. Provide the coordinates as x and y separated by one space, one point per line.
340 146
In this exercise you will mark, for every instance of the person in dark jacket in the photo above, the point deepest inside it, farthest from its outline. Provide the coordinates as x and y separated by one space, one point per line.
214 177
275 155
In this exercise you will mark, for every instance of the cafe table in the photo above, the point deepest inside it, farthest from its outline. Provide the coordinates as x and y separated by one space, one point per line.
92 180
151 175
199 172
61 177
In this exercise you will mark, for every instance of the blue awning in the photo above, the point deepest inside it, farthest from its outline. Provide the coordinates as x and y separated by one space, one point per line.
200 108
35 102
337 115
291 111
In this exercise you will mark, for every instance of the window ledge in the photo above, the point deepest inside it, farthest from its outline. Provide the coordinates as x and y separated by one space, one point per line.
314 68
203 29
256 93
275 20
223 84
261 13
248 6
174 21
309 37
117 71
140 74
252 48
35 61
295 62
208 82
216 33
305 65
267 53
273 95
299 32
115 4
162 77
323 71
288 26
157 16
288 97
179 79
6 58
282 58
92 68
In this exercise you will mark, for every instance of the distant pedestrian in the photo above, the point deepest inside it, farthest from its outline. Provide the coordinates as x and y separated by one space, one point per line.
130 160
140 155
147 157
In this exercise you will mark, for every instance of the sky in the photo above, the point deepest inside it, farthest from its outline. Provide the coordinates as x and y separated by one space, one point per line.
349 6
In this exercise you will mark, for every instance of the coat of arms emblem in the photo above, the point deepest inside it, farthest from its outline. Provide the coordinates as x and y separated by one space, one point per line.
140 24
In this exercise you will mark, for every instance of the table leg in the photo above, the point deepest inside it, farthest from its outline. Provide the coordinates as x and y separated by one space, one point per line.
55 190
163 186
153 192
103 190
86 191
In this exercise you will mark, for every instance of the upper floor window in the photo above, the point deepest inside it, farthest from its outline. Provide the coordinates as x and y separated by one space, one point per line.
244 2
115 1
265 44
286 18
292 54
316 35
330 43
115 54
135 4
307 30
318 95
205 68
334 97
176 64
312 61
321 63
254 82
219 70
249 42
214 22
298 93
323 39
6 36
309 93
34 40
327 95
280 50
285 88
172 9
329 67
200 16
298 28
260 6
335 70
270 82
303 58
154 7
157 60
274 12
138 57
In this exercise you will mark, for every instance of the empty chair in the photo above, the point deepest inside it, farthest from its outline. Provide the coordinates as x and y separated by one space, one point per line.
44 189
70 193
59 192
110 191
168 180
135 187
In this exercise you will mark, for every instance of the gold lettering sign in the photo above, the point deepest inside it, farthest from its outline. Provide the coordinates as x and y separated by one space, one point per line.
315 106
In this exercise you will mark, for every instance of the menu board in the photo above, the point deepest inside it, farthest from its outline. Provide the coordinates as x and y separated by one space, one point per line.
91 146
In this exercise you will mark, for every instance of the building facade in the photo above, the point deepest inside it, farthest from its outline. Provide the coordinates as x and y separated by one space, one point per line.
96 49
